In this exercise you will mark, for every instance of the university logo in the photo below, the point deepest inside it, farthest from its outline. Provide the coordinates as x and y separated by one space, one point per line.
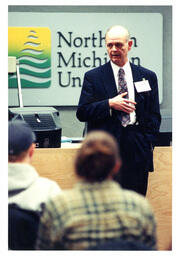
32 48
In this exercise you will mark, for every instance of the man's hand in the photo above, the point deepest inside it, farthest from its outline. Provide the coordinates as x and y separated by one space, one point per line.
120 103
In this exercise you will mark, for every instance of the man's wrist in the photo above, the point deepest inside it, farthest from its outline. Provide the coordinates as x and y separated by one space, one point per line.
110 103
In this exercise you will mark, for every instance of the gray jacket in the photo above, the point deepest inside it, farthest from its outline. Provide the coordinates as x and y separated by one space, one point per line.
27 189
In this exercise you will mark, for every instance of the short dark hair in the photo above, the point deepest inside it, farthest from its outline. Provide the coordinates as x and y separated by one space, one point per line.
97 156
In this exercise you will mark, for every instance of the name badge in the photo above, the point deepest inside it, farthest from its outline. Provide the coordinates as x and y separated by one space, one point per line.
142 86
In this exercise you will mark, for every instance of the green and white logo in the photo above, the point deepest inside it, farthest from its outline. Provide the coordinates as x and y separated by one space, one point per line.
32 48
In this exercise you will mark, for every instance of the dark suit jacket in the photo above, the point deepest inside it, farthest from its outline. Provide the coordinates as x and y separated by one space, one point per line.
93 108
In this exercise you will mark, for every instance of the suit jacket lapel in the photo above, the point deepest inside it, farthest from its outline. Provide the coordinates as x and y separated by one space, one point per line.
109 81
137 76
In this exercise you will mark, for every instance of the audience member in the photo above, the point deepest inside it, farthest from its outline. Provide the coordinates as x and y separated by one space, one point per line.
26 188
97 209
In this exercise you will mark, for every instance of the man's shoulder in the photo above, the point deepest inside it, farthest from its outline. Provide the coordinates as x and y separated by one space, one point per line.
142 69
99 69
137 200
65 201
50 186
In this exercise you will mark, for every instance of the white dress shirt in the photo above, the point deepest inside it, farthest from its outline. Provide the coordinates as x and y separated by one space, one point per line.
130 85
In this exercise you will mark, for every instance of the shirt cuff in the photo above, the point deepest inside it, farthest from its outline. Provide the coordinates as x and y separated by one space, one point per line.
110 111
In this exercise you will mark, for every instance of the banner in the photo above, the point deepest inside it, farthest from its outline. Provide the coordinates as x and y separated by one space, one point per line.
55 50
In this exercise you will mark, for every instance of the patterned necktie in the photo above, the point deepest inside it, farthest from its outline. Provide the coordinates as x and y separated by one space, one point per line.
122 87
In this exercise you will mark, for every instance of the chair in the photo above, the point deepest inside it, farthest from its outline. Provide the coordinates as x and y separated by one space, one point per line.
22 228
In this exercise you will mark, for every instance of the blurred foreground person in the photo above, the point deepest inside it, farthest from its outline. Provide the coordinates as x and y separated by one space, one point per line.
97 209
26 189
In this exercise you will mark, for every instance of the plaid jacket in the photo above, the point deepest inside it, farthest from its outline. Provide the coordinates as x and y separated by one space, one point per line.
93 213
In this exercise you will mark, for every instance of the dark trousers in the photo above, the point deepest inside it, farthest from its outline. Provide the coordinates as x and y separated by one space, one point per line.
133 177
134 151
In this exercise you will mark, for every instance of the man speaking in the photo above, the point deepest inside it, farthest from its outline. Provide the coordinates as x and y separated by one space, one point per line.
122 99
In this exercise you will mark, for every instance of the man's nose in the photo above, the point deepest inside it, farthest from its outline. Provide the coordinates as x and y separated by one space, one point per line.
114 48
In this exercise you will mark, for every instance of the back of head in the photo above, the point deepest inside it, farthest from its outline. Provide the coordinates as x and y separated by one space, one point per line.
20 138
97 157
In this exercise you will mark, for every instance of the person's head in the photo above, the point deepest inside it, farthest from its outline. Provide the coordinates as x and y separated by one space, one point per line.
21 141
98 158
118 44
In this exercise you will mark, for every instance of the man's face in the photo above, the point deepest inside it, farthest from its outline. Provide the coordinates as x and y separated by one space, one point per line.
117 47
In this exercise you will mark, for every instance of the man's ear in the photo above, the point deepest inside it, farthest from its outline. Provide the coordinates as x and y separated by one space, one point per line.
31 150
117 167
130 43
